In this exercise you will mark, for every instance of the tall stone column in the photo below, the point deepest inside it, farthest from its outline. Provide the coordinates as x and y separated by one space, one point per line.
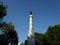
31 36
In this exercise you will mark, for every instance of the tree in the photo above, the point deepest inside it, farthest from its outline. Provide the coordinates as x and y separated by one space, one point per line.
2 10
11 34
40 39
53 34
8 33
3 40
26 42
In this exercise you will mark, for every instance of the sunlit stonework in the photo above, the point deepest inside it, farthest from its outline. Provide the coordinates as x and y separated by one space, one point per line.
31 36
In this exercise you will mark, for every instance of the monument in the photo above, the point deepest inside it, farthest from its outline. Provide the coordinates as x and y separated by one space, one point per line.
31 36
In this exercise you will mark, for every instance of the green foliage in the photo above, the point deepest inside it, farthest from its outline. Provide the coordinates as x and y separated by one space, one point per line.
2 10
53 34
12 35
9 36
3 40
40 39
26 42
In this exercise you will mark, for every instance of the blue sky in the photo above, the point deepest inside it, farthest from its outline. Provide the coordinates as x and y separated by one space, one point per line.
45 13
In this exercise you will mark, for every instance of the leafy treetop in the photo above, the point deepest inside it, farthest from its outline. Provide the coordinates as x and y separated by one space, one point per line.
2 10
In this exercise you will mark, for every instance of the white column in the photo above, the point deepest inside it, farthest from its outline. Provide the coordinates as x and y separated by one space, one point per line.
30 26
31 36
